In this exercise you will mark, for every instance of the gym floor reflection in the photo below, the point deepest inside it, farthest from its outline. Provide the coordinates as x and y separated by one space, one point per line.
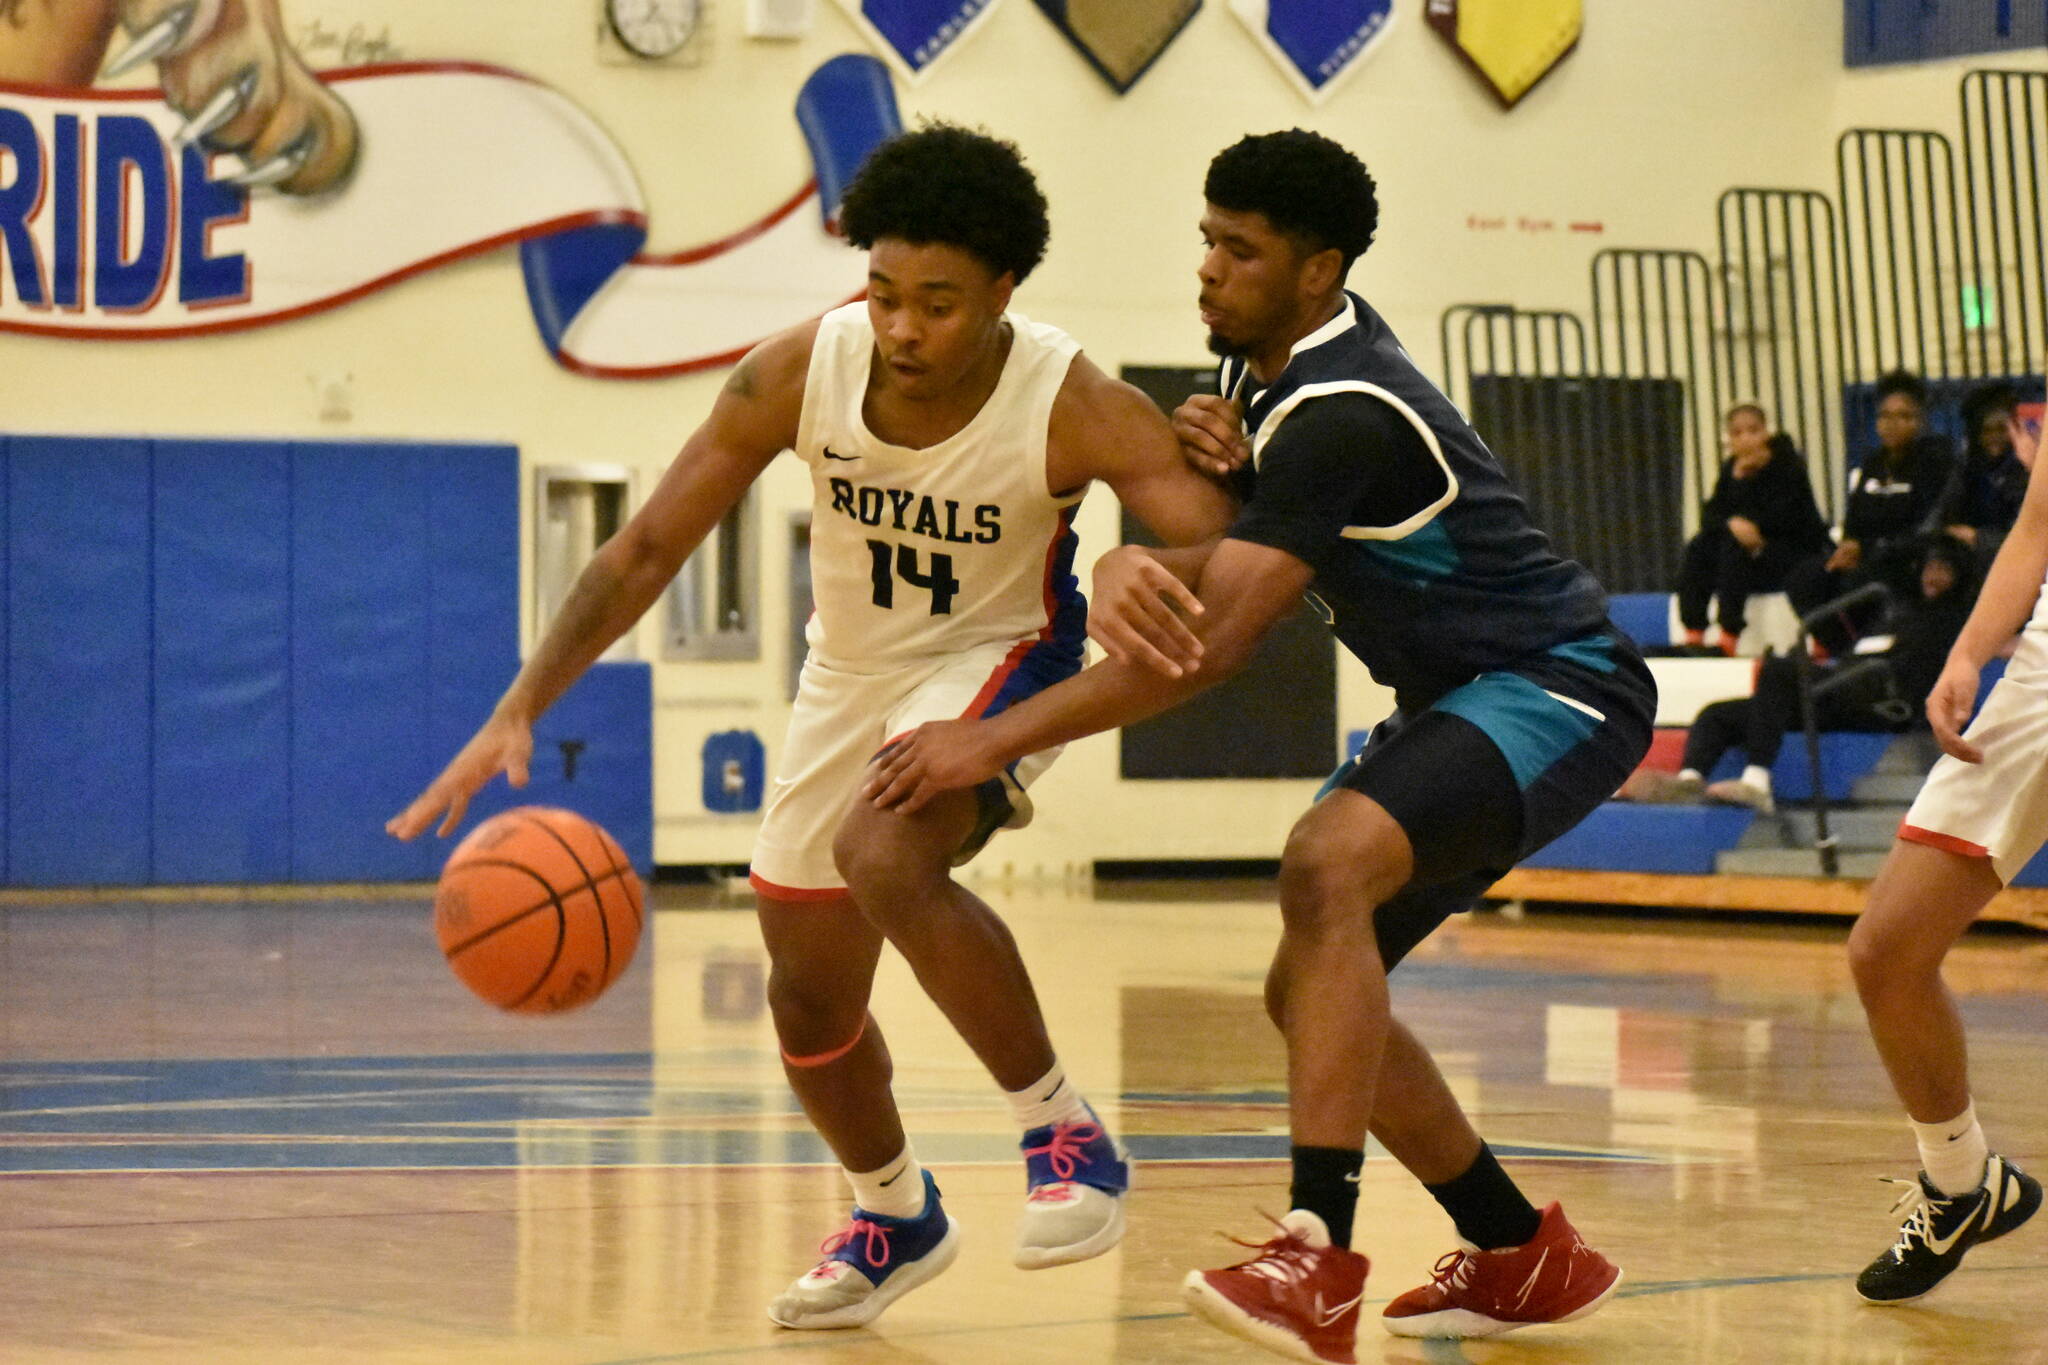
252 1131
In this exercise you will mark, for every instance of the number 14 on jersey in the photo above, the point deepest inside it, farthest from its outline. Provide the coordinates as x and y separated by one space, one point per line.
891 562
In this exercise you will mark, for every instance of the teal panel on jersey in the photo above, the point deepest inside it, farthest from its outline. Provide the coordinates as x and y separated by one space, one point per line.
1419 558
1532 728
1593 651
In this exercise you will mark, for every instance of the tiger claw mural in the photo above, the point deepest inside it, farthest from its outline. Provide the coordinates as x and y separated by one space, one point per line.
224 65
133 214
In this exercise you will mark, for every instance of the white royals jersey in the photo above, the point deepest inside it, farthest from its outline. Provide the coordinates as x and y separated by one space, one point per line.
917 554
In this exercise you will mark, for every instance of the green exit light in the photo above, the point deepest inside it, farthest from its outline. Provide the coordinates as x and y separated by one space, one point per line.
1979 309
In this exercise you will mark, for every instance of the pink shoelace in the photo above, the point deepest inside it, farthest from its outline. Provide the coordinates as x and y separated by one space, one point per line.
1065 1150
876 1236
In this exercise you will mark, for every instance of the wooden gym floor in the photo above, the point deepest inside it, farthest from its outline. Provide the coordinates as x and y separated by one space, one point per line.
279 1132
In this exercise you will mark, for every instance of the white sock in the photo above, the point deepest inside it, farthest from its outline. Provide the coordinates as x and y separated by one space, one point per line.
1760 778
1048 1100
895 1188
1691 775
1953 1153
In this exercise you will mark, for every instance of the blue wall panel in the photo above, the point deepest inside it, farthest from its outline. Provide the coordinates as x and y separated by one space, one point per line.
474 588
3 661
593 753
1877 32
361 742
78 643
223 688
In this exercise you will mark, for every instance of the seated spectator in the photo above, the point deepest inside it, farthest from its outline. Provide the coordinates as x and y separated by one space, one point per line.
1891 698
1761 520
1983 499
1895 498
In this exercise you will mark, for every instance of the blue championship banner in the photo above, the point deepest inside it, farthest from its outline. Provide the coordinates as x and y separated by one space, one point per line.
1512 44
1120 38
1316 43
113 226
915 34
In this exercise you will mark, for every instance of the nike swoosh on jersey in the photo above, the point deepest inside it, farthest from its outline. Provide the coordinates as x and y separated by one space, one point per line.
831 455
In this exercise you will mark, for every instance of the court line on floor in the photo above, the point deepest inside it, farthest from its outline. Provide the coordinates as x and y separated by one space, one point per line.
823 1341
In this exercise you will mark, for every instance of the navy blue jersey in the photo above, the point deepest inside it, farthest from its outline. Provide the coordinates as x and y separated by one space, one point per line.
1425 559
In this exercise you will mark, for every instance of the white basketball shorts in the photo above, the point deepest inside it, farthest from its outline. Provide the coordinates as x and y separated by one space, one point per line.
841 721
1997 809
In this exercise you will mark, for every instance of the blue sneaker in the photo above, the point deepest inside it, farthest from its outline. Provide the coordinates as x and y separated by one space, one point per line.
1076 1177
869 1264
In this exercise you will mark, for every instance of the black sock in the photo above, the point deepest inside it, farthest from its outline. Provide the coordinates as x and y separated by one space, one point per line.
1326 1184
1490 1210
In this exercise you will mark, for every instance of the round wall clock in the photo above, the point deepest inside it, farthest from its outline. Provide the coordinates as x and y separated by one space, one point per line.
653 28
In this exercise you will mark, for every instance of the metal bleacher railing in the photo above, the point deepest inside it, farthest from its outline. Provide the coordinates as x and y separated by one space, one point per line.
1924 258
1813 686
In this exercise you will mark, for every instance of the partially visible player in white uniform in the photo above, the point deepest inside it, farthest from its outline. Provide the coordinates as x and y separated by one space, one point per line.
949 442
1982 814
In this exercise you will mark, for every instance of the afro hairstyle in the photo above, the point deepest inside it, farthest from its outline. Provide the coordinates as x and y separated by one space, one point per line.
1307 186
951 186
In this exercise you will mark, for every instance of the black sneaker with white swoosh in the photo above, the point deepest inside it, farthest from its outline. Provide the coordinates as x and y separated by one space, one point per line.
1939 1228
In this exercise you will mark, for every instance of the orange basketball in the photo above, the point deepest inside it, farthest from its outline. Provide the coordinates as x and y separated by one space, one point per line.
538 910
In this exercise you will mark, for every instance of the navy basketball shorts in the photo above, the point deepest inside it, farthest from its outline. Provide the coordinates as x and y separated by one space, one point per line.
1497 768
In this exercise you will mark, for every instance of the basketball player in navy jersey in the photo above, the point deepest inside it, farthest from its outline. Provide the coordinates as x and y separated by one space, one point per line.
949 442
1519 708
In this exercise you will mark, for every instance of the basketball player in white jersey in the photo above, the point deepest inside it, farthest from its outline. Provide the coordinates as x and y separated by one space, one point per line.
1982 815
949 442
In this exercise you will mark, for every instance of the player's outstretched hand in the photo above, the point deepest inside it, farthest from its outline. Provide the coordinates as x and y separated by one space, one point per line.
1948 709
1211 434
1136 614
937 757
502 746
227 66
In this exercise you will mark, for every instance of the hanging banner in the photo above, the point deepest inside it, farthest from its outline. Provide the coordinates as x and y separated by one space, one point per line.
1120 38
1512 44
114 228
915 34
1316 43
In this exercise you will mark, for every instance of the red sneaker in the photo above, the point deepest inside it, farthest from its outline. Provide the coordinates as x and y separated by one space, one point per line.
1298 1297
1553 1277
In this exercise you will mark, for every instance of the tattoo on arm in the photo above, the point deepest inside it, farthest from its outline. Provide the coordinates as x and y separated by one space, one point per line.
741 385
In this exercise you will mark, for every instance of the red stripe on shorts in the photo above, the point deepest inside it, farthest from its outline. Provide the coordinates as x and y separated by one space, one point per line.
1935 839
793 893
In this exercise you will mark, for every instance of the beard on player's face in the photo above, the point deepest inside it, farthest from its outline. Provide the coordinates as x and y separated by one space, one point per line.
1221 345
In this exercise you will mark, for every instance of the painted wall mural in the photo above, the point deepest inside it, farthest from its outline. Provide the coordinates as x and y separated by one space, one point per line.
145 214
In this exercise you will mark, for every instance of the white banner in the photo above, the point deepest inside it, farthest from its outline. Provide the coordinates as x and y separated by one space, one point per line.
109 231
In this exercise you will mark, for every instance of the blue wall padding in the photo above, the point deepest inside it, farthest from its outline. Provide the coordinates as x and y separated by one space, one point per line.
1846 756
608 719
1623 836
361 630
3 661
78 641
1644 617
473 560
220 781
2035 873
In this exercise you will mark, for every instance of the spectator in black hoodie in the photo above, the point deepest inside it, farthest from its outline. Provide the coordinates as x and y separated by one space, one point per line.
1760 521
1893 698
1895 498
1983 499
